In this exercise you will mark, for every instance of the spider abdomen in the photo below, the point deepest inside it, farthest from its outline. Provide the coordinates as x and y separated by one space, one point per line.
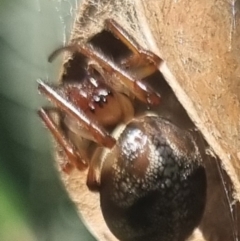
153 183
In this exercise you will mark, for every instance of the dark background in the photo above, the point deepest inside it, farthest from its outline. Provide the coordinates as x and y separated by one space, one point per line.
33 202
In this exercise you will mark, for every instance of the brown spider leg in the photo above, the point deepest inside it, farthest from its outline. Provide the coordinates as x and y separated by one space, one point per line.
99 134
140 89
93 182
139 54
75 159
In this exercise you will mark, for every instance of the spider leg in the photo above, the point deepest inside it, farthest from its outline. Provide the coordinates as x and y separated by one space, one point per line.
74 157
140 54
141 62
139 88
93 182
100 135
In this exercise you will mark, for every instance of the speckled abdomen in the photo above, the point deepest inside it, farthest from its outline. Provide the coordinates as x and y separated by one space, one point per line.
153 182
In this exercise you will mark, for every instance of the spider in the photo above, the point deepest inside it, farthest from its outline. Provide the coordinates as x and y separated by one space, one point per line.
148 171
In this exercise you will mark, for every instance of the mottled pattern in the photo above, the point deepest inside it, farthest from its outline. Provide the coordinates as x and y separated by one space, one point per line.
153 183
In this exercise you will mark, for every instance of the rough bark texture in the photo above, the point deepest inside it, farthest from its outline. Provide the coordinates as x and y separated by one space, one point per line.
200 44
